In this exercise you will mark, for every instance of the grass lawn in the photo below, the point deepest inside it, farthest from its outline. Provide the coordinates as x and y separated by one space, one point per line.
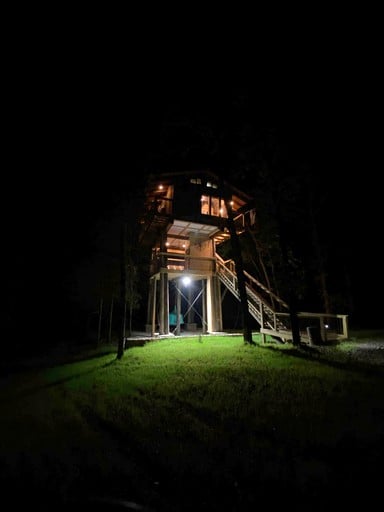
203 423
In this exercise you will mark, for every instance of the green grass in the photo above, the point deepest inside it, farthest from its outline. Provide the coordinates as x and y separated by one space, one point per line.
185 424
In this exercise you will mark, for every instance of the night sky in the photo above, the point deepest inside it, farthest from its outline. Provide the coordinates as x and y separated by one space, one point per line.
78 143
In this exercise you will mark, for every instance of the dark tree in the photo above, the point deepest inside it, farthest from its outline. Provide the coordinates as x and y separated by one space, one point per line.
237 254
123 288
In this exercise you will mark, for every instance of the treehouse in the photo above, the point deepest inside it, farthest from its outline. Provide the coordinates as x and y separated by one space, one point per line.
187 215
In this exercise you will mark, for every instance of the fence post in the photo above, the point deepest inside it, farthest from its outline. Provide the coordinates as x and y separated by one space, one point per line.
263 337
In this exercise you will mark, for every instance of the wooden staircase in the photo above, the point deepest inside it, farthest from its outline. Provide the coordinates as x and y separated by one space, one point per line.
277 323
259 307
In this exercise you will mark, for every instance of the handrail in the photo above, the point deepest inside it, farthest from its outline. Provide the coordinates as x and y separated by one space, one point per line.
258 306
331 326
254 280
273 295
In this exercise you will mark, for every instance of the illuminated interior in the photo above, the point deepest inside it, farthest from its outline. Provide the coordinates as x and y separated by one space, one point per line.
188 241
213 206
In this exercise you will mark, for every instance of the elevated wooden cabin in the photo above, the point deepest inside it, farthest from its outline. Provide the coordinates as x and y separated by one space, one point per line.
186 217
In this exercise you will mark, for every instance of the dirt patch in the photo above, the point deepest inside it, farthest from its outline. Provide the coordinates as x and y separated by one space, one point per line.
363 353
371 352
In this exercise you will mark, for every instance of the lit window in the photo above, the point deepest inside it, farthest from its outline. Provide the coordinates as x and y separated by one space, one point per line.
213 206
205 205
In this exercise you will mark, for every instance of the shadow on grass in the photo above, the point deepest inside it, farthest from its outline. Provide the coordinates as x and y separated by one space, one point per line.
51 359
35 389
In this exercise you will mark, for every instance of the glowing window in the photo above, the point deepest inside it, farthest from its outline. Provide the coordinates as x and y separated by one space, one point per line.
213 206
205 205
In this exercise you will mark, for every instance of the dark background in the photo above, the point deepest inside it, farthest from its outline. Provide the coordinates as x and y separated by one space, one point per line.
82 133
